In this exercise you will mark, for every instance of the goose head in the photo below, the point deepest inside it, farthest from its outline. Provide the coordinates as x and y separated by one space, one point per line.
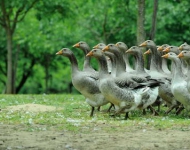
110 47
99 46
184 46
95 53
82 45
184 54
65 52
122 46
173 49
163 47
133 50
170 56
148 44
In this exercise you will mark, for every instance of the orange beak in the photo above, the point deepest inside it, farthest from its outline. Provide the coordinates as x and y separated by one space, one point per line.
59 52
105 48
165 56
160 48
76 45
96 46
167 49
180 55
143 44
116 44
147 52
89 54
129 51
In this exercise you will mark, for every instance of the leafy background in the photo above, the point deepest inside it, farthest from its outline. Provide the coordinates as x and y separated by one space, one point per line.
52 25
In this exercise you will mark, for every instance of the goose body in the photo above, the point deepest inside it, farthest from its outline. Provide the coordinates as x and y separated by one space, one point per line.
116 90
185 55
156 72
179 84
84 81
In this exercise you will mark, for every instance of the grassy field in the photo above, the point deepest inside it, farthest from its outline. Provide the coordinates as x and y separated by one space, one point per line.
72 114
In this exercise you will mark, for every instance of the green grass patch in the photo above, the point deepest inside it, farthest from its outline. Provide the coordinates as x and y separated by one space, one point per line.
72 114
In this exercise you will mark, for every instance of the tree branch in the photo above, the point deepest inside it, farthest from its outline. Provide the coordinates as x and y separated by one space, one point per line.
4 15
19 11
25 76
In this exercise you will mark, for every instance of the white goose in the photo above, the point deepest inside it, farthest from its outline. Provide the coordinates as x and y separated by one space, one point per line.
179 84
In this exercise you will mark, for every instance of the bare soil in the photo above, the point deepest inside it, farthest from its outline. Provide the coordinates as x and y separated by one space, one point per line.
17 137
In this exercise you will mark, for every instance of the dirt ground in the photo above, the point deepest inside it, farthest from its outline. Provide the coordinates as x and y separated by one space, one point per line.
13 137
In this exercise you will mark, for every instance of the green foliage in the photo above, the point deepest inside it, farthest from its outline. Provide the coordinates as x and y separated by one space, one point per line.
52 25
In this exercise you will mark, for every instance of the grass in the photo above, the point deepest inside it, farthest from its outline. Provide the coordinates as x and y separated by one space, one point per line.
74 116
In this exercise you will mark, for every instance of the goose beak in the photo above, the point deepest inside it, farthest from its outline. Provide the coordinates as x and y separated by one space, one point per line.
147 52
180 55
105 48
116 44
76 45
180 48
129 51
160 48
89 54
167 49
96 46
165 56
59 52
144 44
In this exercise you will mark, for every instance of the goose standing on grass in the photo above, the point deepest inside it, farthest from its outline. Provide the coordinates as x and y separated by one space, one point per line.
179 84
117 91
156 72
84 82
140 69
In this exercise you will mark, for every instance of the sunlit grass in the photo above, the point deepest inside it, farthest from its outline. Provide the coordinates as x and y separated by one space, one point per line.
72 114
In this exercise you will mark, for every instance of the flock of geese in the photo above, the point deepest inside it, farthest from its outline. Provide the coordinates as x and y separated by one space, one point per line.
129 88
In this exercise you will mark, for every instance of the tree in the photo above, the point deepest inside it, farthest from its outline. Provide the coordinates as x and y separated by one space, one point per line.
140 22
10 14
154 17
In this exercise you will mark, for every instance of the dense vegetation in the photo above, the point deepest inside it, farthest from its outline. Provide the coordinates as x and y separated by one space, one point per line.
43 27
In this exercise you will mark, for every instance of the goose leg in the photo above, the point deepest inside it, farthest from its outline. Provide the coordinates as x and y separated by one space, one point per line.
179 110
127 115
109 109
144 112
98 108
170 109
155 113
92 112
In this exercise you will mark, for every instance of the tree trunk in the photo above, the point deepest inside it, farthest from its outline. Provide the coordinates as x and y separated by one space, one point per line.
9 83
140 22
154 16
